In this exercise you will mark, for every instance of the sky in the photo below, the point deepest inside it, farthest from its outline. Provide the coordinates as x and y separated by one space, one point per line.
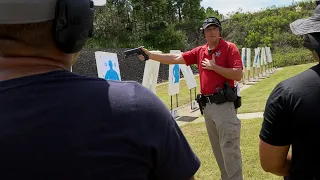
103 2
226 6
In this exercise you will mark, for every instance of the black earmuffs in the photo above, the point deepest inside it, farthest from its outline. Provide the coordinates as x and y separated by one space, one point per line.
311 42
73 24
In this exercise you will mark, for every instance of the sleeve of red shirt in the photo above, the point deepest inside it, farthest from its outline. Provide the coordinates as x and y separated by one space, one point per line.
234 57
190 57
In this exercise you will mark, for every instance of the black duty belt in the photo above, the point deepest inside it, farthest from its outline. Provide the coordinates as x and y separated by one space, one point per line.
214 98
228 94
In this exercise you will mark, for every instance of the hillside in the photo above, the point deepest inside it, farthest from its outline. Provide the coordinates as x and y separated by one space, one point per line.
175 24
267 28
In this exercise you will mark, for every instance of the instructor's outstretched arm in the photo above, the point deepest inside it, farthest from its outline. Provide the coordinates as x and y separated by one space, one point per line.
163 58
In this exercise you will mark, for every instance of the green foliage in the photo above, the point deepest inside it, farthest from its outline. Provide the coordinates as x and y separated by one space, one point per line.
213 13
289 56
267 28
164 37
132 23
174 24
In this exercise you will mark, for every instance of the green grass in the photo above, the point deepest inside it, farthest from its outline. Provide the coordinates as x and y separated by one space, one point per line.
196 135
183 97
255 97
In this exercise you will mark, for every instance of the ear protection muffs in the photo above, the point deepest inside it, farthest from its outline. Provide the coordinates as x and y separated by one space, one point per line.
311 42
73 24
211 20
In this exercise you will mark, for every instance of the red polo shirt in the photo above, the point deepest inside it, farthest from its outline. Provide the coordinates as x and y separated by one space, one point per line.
227 55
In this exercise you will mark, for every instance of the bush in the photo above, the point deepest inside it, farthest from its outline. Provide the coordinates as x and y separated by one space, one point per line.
164 37
288 56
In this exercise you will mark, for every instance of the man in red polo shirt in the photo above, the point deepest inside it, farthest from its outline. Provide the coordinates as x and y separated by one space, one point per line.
219 63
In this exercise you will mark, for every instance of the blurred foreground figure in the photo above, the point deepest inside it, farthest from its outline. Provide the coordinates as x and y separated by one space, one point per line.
291 117
58 125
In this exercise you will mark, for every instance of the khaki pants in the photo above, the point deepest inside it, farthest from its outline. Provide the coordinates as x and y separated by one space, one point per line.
223 128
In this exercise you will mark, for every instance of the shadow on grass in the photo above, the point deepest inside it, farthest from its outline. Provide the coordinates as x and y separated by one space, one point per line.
186 118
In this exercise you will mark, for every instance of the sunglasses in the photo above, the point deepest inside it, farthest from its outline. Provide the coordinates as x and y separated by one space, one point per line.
212 20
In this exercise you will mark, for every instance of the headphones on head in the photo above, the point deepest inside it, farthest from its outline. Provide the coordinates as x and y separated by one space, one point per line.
211 20
73 24
311 42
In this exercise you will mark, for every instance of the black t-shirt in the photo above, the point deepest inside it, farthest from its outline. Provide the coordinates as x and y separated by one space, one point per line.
60 125
292 118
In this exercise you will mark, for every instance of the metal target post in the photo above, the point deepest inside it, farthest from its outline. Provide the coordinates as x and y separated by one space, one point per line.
191 97
177 100
171 103
195 96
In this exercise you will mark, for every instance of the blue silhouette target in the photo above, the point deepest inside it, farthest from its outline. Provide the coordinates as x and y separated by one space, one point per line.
111 74
176 74
174 79
108 66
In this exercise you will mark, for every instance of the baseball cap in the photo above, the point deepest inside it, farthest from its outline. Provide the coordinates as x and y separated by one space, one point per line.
307 25
211 21
29 11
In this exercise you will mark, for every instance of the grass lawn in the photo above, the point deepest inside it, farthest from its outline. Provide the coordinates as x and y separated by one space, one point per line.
183 97
253 98
196 135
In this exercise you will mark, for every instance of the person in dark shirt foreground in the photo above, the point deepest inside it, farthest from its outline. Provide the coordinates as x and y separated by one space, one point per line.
291 117
55 124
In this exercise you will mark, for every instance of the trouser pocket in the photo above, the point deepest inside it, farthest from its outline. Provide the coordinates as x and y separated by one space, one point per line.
229 133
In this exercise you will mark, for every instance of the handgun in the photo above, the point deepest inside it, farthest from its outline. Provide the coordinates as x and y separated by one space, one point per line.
137 51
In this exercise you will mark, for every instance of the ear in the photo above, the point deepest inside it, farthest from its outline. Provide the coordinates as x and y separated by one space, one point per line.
202 32
75 57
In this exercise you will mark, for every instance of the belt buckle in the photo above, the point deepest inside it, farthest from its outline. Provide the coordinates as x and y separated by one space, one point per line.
208 99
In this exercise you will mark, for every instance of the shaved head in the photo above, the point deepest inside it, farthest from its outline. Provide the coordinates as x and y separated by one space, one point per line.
24 39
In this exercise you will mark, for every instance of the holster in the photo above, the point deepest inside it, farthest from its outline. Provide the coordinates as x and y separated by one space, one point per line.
230 93
200 103
237 102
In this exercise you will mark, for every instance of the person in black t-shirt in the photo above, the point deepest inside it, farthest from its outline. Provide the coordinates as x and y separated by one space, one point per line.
291 117
55 124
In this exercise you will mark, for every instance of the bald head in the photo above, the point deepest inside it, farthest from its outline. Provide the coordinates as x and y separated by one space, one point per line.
26 39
